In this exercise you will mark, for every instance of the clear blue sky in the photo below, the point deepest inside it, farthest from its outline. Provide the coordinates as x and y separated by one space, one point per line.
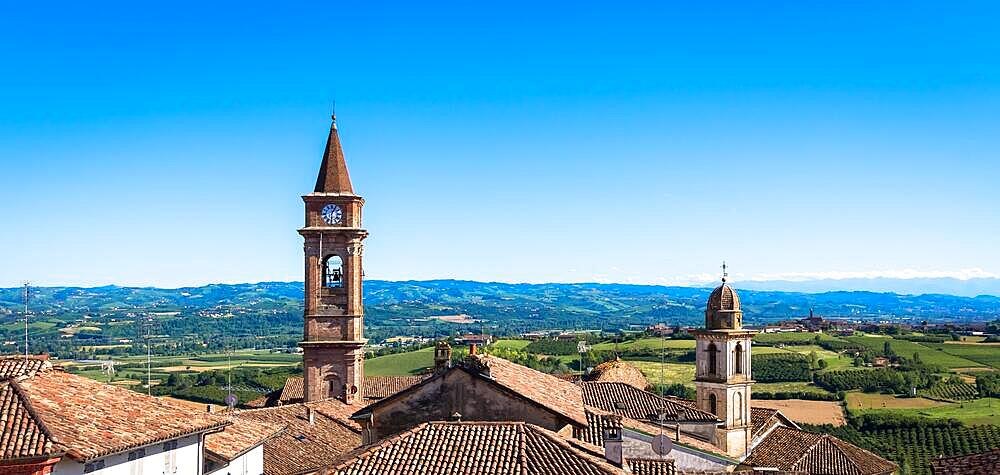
169 144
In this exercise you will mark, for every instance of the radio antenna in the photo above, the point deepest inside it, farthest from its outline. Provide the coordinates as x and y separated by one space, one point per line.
26 296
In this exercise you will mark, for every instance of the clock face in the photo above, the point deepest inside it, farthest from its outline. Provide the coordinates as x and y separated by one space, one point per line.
332 214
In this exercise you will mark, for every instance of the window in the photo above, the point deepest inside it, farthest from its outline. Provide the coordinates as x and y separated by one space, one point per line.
333 272
712 359
738 408
739 358
93 466
713 404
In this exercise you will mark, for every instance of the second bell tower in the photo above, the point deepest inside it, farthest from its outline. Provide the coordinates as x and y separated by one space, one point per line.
333 343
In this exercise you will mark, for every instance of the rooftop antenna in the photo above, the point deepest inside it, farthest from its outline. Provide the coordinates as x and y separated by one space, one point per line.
149 371
26 296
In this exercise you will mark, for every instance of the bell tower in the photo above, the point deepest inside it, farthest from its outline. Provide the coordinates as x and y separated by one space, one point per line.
722 369
333 343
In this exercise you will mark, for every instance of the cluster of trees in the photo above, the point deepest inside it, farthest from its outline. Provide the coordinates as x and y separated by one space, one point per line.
897 381
988 384
677 390
775 368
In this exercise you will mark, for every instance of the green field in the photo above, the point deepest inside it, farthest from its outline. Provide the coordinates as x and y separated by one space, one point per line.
667 373
988 355
400 364
511 344
790 338
908 348
979 411
788 387
646 344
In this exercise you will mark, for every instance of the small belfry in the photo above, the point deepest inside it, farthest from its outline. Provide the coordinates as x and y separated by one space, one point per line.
722 372
333 343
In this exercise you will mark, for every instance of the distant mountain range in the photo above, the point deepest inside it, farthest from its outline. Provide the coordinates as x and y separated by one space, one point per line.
394 308
914 286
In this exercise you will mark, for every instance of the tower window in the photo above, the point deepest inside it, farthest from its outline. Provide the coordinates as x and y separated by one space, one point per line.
738 408
713 404
738 353
712 359
333 272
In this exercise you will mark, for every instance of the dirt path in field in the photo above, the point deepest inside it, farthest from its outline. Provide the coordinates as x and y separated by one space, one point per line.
807 412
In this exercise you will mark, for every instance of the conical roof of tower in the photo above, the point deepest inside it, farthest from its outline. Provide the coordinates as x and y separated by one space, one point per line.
333 176
724 298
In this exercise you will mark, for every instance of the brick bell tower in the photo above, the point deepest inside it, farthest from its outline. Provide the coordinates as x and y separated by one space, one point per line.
333 355
722 369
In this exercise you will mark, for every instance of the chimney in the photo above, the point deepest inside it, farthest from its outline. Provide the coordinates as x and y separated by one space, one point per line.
456 417
613 440
473 350
311 415
211 409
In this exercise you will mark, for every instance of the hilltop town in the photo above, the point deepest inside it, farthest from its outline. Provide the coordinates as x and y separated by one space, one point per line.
477 403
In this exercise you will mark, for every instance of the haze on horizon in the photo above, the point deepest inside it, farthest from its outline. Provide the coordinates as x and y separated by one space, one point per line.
168 145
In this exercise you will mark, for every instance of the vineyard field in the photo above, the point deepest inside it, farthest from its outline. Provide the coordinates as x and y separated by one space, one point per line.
952 391
914 448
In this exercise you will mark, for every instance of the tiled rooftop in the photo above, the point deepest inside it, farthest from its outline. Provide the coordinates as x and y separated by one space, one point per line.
558 395
239 437
651 467
305 446
795 450
598 420
628 401
619 371
24 435
985 463
473 448
91 419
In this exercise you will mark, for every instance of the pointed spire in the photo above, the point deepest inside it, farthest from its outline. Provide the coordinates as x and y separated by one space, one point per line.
333 176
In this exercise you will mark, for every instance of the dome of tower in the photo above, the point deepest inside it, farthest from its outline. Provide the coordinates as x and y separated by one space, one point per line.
723 298
618 371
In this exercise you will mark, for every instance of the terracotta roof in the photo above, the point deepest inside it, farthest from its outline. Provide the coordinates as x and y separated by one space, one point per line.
333 176
651 467
560 396
985 463
378 387
618 371
818 454
763 419
724 298
24 435
92 419
597 420
239 438
473 448
628 401
14 366
375 387
304 447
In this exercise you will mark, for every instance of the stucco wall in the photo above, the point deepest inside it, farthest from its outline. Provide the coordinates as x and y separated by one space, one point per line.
250 463
473 397
184 460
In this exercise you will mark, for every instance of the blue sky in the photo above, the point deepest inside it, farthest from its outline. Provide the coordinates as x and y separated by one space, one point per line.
169 144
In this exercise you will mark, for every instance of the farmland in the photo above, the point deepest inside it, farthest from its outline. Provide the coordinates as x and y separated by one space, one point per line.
908 349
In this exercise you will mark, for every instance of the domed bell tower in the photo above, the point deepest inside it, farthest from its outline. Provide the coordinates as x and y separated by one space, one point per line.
333 343
722 369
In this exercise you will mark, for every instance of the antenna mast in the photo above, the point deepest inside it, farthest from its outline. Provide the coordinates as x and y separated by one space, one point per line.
26 296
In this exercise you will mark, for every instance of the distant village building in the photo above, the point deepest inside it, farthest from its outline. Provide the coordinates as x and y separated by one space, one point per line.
470 339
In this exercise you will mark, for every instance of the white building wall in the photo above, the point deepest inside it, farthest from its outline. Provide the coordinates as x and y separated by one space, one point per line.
186 459
250 463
